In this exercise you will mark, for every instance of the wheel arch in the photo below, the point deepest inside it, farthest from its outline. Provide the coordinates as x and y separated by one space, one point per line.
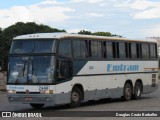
80 87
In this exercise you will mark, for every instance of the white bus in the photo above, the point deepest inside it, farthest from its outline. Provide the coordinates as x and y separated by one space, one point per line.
61 68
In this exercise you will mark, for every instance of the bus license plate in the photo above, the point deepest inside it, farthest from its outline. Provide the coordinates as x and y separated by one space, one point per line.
28 98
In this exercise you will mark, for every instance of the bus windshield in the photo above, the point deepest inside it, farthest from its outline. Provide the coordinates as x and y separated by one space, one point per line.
32 46
31 69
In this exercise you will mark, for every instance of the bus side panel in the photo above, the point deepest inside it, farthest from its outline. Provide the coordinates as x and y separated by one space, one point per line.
100 83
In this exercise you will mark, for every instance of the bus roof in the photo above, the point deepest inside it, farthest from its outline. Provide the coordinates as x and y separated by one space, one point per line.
68 35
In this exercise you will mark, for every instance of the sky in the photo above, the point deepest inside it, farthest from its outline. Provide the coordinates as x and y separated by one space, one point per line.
128 18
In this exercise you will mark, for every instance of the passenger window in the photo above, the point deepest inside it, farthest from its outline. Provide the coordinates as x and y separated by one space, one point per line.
145 50
122 50
65 48
79 49
153 51
95 49
133 50
109 50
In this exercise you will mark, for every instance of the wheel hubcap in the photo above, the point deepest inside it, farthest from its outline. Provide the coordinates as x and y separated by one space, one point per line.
75 97
138 91
128 92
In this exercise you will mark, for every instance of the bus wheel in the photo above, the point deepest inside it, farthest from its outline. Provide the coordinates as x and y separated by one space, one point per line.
37 106
127 92
137 91
76 97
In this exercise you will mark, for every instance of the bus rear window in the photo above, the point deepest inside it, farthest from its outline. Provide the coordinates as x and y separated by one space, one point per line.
32 46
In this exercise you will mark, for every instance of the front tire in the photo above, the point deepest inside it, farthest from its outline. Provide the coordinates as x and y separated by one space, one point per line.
37 106
127 92
137 91
76 97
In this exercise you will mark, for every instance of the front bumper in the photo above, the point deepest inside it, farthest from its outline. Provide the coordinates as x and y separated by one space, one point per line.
31 98
53 99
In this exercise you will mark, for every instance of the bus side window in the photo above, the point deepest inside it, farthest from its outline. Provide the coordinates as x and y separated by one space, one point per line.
65 48
153 51
133 50
145 50
122 50
109 50
95 49
64 69
79 49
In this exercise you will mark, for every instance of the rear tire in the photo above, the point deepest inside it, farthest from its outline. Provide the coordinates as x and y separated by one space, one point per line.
76 97
127 92
137 91
37 106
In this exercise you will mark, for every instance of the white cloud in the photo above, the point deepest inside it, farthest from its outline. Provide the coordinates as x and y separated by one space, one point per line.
88 1
95 1
49 14
113 0
138 4
148 14
102 4
49 2
77 0
33 13
143 9
152 31
14 14
91 15
143 4
95 15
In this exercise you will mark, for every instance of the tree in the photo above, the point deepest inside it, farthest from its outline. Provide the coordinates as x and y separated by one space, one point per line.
19 28
0 30
97 33
102 33
84 32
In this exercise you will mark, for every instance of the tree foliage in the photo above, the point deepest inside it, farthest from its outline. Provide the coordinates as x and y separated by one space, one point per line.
84 32
19 28
0 30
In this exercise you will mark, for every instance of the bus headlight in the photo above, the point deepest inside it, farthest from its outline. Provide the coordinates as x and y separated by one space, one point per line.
11 92
46 92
